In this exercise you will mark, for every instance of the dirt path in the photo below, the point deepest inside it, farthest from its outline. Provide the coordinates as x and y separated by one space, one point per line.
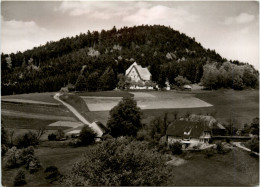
35 116
79 116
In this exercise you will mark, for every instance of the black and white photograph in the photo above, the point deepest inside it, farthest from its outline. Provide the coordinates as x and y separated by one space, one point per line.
129 93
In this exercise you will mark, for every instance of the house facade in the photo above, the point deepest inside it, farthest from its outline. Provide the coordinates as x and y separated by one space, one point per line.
138 74
188 133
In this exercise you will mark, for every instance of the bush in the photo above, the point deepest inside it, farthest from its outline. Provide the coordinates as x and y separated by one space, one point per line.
26 154
228 140
28 139
74 143
60 134
19 179
176 148
254 144
52 137
107 136
33 164
209 152
52 174
220 147
13 158
87 135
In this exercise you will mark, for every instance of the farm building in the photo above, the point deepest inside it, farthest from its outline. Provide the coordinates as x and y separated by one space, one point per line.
138 74
188 132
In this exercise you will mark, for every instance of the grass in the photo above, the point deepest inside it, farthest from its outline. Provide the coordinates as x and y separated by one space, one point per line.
241 106
44 97
38 109
26 123
76 101
63 158
106 94
236 168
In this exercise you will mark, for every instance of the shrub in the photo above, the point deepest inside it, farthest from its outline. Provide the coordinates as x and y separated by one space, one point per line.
209 152
60 134
220 147
26 154
33 164
176 148
254 144
52 137
28 139
52 174
13 158
87 135
74 143
228 140
19 179
107 136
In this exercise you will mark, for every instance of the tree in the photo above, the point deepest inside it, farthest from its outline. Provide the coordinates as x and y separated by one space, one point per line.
120 162
19 179
108 80
92 81
81 83
28 139
123 81
158 127
254 128
181 81
176 148
125 118
87 135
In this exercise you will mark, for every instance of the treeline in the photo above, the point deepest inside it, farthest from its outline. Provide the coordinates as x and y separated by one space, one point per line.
229 75
166 52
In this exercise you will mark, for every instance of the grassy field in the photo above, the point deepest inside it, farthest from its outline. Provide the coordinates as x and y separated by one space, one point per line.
36 109
236 168
31 116
240 106
44 97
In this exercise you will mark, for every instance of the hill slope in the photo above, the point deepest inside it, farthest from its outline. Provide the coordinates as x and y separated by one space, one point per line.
100 56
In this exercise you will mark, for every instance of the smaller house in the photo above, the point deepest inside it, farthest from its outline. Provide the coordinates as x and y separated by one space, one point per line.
188 132
138 74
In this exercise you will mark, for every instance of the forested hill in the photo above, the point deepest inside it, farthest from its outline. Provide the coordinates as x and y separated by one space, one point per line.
97 58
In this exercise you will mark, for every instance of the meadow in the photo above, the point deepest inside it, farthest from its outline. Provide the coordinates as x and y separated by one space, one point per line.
236 168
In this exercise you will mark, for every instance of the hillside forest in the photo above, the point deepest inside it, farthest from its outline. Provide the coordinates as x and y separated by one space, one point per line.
96 61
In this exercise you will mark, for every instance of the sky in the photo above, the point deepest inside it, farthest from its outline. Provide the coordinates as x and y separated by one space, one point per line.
231 28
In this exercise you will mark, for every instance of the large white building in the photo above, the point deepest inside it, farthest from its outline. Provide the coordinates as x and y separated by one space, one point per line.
137 73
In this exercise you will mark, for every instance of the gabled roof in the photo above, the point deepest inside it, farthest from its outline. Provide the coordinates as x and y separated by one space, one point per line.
183 128
142 72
